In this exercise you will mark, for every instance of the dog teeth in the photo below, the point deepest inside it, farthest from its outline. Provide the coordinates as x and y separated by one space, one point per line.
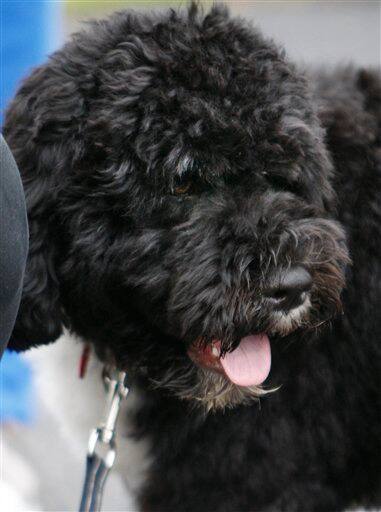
215 351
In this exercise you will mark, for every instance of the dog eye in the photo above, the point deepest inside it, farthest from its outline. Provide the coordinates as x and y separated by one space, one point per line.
183 189
280 182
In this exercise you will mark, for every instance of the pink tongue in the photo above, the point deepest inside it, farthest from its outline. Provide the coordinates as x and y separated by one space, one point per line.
249 364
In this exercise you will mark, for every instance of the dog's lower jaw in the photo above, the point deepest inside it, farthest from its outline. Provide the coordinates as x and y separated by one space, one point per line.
210 391
214 391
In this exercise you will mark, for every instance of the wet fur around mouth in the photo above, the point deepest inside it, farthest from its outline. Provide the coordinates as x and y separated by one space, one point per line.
173 164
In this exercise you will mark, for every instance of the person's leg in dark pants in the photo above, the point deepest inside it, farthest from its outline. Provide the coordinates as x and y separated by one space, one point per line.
13 242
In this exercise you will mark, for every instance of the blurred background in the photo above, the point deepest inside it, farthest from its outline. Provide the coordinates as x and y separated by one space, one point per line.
314 32
41 468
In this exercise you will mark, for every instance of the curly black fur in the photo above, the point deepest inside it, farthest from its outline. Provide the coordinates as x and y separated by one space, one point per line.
174 166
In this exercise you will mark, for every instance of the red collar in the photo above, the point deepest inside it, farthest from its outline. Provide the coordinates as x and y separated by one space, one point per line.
84 360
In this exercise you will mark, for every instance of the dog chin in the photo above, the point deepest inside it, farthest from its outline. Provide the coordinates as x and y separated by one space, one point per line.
213 391
206 389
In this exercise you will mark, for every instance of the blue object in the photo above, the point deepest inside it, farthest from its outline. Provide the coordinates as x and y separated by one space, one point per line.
16 389
30 30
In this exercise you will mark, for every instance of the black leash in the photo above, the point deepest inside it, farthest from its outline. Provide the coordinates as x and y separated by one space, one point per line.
101 450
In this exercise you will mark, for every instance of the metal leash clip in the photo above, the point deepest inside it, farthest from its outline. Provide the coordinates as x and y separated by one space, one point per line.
101 449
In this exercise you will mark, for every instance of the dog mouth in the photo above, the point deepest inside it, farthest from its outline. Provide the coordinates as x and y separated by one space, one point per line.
247 365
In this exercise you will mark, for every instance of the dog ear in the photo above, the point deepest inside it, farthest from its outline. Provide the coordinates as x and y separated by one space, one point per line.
43 130
39 319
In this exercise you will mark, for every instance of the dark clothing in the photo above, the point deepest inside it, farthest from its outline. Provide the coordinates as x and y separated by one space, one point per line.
13 242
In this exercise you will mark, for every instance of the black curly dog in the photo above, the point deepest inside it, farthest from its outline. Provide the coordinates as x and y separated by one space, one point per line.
196 201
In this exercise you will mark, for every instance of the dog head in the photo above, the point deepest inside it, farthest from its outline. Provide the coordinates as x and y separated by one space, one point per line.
194 216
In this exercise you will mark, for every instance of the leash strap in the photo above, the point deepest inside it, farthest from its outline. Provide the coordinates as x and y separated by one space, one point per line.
101 450
96 474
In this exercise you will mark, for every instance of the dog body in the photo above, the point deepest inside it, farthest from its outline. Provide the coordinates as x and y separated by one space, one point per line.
193 199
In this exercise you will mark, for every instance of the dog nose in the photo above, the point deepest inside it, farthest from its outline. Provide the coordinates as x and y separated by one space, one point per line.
290 289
